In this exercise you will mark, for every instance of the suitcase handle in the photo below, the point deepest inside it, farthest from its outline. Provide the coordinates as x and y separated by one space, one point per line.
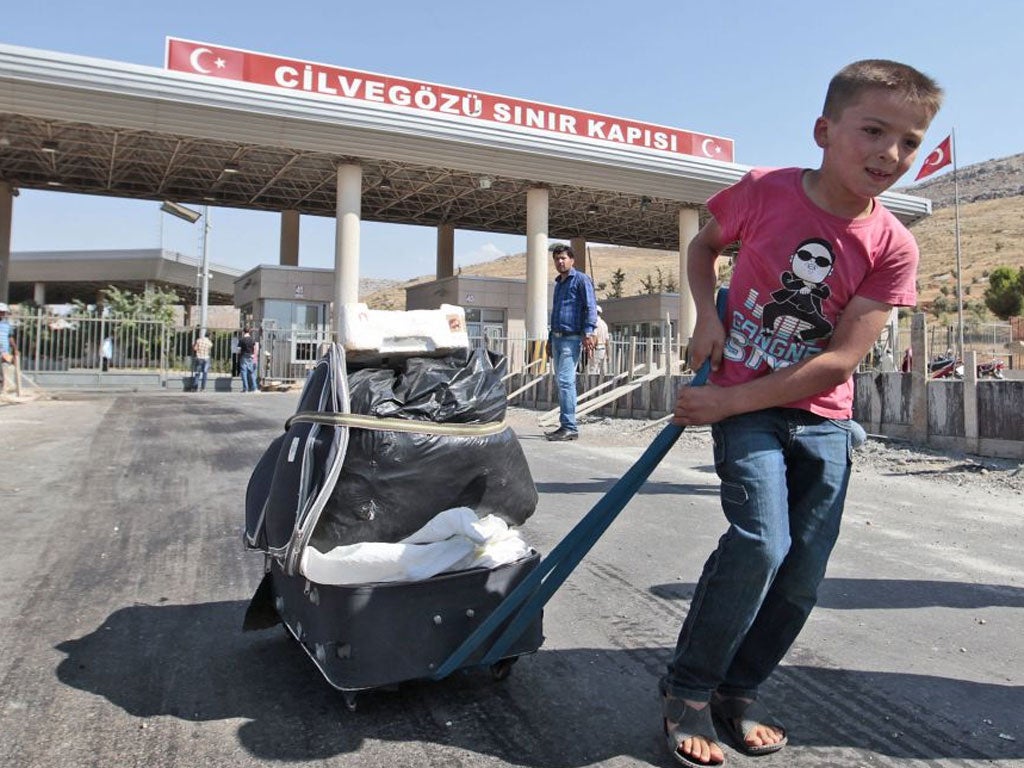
526 601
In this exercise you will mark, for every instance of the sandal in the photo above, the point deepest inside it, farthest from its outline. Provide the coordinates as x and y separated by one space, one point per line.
739 717
681 722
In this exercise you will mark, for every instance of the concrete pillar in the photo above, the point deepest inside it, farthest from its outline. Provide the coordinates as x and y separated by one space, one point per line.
971 401
7 194
579 247
537 263
689 224
346 239
289 252
445 266
39 294
919 380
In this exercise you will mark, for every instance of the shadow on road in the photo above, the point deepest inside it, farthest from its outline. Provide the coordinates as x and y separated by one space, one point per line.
193 662
860 594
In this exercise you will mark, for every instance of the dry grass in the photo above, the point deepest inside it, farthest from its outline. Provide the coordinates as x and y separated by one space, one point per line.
991 235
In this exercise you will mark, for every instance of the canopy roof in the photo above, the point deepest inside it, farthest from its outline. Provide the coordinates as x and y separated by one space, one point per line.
76 124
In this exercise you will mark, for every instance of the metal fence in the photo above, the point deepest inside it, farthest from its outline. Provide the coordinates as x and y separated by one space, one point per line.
621 355
95 342
92 342
288 355
991 341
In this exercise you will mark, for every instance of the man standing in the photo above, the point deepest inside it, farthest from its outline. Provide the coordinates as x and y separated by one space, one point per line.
247 361
201 365
8 350
573 321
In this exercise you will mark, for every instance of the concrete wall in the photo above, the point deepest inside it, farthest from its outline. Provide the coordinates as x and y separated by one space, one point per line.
631 310
984 417
508 294
882 404
86 380
309 284
119 381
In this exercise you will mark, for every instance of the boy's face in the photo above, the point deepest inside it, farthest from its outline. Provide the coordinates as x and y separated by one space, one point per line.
872 143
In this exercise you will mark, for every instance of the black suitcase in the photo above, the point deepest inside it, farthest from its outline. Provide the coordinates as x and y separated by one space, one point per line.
366 635
378 635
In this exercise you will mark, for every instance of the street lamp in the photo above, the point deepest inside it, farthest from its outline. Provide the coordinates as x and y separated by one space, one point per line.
191 216
180 211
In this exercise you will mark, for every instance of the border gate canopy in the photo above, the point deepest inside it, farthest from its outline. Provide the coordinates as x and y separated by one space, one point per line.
93 126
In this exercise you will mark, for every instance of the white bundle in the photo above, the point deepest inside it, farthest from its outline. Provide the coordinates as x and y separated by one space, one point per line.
453 540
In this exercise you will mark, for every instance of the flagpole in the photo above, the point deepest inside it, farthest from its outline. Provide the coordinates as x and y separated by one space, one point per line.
959 277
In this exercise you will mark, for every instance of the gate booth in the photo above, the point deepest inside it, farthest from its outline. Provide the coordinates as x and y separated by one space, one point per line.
288 309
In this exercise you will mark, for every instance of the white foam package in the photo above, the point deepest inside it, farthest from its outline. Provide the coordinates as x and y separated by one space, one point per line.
452 541
369 335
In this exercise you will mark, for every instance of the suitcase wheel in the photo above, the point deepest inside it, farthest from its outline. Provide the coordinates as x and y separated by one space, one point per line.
350 700
502 668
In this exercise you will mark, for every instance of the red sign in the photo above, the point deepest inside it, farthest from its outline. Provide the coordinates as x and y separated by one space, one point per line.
307 77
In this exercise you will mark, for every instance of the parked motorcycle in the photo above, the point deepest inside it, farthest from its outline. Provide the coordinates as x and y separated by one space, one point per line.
946 368
993 369
951 368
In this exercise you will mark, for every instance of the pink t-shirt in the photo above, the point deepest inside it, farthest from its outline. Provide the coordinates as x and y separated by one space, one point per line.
798 267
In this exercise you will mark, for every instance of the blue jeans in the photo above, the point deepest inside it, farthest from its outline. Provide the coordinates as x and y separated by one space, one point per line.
565 354
200 370
248 371
784 476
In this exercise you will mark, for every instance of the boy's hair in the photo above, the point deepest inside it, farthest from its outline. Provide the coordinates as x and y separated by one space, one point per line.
853 79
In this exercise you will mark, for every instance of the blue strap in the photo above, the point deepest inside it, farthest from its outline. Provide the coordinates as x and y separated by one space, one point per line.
533 592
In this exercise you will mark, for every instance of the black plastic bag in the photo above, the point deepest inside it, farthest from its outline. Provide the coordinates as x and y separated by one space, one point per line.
392 483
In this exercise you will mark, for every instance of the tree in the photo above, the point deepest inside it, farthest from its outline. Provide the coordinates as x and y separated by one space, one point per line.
648 285
152 304
615 291
136 334
1005 293
661 284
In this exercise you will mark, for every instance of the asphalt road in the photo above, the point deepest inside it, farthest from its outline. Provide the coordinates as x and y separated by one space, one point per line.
124 584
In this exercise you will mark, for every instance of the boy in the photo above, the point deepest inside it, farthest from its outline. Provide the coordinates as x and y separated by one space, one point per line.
820 266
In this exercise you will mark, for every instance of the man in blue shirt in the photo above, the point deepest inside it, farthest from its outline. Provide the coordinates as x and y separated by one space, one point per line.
7 350
573 322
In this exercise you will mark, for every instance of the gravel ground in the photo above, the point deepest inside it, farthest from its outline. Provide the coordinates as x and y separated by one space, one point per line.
878 455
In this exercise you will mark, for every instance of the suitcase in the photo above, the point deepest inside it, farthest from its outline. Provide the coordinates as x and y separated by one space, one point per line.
361 636
379 635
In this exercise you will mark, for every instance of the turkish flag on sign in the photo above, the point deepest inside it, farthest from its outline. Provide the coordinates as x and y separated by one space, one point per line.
940 157
201 59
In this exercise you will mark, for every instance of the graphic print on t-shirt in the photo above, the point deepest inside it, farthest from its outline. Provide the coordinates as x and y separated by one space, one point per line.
792 323
803 290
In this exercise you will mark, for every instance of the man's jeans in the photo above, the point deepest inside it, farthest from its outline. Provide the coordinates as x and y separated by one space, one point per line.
565 353
201 369
784 476
248 371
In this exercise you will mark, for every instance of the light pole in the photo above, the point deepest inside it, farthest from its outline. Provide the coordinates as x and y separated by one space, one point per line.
204 301
191 216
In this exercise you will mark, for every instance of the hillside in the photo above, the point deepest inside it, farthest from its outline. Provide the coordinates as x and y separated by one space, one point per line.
991 235
991 180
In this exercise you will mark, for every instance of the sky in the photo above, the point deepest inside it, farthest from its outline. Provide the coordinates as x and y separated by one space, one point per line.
748 70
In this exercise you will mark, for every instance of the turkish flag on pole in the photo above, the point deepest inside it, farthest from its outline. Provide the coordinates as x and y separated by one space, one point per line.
940 157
